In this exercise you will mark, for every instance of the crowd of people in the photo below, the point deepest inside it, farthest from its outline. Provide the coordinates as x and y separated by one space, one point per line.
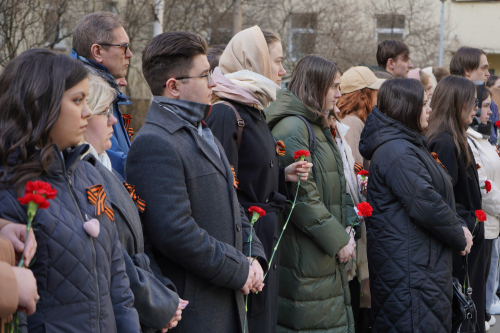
151 232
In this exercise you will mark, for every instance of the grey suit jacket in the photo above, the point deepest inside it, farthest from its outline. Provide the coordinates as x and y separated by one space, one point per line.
196 229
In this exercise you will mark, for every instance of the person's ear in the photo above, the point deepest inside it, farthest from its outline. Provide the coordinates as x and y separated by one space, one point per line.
390 63
173 88
96 53
467 74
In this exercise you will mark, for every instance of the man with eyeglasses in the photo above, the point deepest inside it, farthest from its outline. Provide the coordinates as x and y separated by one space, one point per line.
197 231
100 41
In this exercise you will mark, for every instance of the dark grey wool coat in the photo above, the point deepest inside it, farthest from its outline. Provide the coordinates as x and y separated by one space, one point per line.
154 301
196 229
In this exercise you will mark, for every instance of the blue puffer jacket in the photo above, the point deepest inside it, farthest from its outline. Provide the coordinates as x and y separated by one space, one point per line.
81 280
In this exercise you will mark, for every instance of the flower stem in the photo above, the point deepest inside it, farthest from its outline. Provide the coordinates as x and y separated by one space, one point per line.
284 227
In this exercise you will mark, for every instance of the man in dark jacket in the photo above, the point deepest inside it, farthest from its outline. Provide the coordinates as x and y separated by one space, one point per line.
197 231
100 41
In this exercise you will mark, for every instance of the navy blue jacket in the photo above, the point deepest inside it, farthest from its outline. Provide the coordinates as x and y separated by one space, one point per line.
120 142
81 280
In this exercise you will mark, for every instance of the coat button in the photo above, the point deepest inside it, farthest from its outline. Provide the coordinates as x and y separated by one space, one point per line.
275 266
238 228
272 164
267 200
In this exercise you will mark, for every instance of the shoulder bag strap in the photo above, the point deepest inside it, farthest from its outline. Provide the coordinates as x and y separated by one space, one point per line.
239 121
312 142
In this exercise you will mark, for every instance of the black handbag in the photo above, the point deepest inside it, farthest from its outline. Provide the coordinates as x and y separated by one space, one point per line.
464 317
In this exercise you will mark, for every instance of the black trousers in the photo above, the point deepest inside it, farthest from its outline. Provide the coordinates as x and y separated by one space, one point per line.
362 316
488 247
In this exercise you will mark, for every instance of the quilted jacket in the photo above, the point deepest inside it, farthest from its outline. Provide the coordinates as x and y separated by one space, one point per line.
313 291
413 231
81 280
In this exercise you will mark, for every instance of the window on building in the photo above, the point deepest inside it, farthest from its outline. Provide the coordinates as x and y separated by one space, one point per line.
302 37
389 26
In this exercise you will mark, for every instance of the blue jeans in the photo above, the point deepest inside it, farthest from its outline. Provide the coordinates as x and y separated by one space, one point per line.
492 282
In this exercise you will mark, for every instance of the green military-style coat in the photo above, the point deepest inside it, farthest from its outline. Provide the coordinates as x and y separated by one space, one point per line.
313 290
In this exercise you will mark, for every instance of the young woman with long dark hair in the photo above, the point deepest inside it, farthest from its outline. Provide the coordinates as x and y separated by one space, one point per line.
79 269
318 240
414 228
453 109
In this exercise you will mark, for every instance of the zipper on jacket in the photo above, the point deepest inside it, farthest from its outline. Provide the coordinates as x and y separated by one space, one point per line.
94 256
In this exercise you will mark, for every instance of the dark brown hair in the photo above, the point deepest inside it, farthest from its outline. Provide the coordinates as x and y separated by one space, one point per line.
391 49
311 79
270 37
402 99
213 55
358 102
169 55
31 90
93 29
451 104
491 80
440 73
465 59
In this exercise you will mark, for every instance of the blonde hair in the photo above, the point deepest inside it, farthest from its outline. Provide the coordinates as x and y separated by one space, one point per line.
101 94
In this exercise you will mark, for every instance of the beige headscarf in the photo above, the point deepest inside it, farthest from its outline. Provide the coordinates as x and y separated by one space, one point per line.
246 62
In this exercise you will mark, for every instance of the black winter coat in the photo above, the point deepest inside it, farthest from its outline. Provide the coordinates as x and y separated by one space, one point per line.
413 230
256 167
81 280
468 200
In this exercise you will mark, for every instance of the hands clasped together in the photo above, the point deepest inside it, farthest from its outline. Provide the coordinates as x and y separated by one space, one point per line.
255 280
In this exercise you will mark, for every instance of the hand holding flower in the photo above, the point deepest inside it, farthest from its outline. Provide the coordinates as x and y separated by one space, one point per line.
468 238
16 233
296 169
258 280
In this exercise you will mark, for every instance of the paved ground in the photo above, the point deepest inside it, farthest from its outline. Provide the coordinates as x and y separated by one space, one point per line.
495 328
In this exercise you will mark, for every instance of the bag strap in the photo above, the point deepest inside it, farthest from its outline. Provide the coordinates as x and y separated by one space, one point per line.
312 142
239 122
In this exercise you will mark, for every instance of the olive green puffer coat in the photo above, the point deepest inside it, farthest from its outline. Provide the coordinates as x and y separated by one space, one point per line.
313 292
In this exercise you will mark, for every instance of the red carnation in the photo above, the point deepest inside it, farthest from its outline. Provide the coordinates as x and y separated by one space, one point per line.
497 123
363 173
480 216
38 199
487 185
41 188
364 209
258 210
301 154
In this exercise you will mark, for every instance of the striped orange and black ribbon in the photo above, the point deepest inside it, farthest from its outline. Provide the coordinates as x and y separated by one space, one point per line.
280 148
358 167
128 127
141 204
333 131
97 197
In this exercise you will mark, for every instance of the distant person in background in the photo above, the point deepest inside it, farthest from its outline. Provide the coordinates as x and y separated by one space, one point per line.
213 55
100 41
419 75
472 64
393 57
493 81
432 80
440 73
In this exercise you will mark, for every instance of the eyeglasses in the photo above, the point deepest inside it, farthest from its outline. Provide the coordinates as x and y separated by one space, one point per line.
208 76
108 112
120 45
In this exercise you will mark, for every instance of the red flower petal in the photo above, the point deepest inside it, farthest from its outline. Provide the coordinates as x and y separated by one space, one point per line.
497 123
299 153
364 209
36 198
258 210
487 185
42 188
363 173
480 215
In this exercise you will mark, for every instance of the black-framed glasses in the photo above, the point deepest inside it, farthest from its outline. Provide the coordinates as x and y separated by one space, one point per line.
108 112
208 76
120 45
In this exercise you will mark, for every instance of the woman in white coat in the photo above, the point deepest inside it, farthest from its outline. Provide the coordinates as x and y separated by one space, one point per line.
487 161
